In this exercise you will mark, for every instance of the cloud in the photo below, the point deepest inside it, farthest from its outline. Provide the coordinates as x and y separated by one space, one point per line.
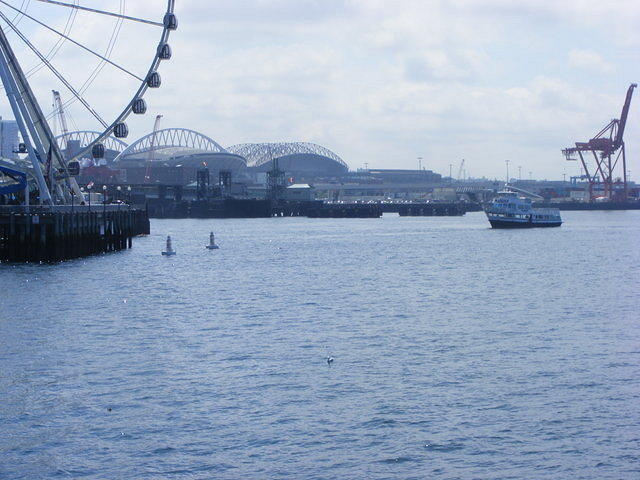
590 61
444 64
376 81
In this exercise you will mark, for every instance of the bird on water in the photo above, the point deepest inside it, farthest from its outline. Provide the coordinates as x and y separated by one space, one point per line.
329 360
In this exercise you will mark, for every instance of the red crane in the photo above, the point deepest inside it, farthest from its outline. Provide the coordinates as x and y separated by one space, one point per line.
607 148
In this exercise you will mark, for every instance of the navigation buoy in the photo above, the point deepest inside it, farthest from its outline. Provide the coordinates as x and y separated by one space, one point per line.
169 250
212 243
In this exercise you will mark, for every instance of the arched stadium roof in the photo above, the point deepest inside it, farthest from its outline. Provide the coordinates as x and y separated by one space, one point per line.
170 143
258 154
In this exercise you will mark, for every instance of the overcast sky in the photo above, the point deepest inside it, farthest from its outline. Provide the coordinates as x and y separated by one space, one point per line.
385 82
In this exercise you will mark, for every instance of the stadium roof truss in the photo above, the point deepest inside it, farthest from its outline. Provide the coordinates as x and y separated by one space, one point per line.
173 138
258 154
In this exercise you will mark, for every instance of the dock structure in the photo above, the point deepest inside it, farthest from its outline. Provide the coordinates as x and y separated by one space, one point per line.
55 233
348 210
430 209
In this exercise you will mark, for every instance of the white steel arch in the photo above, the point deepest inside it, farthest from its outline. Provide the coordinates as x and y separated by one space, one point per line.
258 154
172 138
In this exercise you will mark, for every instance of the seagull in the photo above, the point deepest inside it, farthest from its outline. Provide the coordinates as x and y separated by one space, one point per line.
329 360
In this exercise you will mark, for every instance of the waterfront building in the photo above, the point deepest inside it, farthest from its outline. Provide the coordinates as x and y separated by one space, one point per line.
9 140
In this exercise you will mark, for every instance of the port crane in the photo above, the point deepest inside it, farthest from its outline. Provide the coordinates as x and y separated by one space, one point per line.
156 127
461 170
59 109
607 148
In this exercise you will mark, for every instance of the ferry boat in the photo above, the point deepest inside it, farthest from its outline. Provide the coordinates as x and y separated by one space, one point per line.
511 210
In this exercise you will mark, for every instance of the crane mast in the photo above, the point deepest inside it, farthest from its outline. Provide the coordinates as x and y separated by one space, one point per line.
460 170
59 108
156 127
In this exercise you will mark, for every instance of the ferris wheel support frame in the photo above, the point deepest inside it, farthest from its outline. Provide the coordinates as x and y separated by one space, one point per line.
33 126
55 183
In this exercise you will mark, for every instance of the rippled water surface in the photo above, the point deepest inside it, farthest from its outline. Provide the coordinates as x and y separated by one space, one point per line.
460 352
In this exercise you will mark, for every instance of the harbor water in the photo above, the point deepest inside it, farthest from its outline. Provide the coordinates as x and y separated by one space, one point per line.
460 352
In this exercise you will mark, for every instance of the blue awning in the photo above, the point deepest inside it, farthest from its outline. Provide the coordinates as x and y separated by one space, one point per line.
18 176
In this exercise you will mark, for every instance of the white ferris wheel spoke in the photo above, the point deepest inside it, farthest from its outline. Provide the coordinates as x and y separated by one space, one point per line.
103 12
53 70
66 37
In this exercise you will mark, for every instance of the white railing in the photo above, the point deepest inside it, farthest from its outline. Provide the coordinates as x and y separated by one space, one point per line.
547 211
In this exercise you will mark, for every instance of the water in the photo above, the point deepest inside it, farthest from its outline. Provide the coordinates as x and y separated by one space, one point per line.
460 352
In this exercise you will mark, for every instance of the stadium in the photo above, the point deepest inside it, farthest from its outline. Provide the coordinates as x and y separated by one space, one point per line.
300 160
174 155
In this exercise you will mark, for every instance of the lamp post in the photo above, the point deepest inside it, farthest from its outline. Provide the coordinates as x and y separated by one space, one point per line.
119 189
89 193
129 195
450 173
507 162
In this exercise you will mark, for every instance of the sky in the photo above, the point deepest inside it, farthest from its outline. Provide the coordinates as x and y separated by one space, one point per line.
383 83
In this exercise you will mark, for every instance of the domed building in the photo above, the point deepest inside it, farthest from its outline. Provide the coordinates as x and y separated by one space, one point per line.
300 160
174 155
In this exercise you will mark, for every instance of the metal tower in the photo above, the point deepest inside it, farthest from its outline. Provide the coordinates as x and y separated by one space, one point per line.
49 168
276 183
607 148
53 173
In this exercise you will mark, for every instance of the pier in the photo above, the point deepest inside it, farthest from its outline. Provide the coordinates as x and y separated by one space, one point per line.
56 233
181 204
347 210
417 209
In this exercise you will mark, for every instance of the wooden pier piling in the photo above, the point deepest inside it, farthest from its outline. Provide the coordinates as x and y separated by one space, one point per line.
56 233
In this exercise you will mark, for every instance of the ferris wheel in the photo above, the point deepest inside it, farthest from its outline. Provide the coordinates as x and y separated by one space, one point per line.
104 56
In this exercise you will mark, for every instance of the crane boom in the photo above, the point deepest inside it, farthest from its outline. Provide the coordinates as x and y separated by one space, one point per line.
57 101
156 127
623 116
